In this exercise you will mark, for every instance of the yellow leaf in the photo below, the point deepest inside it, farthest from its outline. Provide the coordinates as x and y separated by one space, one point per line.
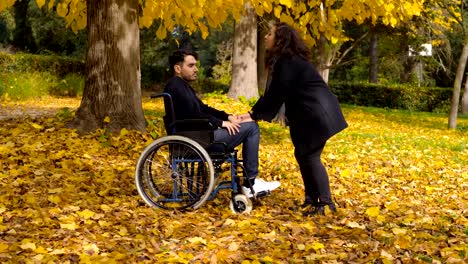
40 250
399 231
123 231
345 173
355 225
91 249
287 3
70 226
26 244
86 214
107 119
37 126
301 246
3 247
40 3
233 246
54 199
123 132
197 240
373 211
334 40
317 246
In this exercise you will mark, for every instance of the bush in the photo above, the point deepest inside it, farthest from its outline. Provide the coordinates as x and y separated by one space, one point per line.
428 99
72 85
20 86
56 65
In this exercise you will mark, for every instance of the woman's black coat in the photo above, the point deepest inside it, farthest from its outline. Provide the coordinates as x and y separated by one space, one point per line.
312 110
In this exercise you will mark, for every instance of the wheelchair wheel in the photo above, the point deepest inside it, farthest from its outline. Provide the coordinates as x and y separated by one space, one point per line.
175 173
240 203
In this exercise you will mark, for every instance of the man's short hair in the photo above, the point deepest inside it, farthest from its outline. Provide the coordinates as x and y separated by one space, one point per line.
178 56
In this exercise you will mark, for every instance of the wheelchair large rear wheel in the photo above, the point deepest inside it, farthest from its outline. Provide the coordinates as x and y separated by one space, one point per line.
174 172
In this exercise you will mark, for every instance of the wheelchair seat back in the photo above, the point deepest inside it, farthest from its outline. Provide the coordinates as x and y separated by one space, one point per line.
199 130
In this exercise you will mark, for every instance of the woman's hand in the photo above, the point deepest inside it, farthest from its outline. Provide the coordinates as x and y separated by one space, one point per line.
245 118
232 128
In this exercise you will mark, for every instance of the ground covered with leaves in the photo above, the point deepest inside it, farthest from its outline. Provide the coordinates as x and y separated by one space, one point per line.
400 180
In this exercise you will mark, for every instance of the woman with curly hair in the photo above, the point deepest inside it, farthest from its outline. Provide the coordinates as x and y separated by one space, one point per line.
312 111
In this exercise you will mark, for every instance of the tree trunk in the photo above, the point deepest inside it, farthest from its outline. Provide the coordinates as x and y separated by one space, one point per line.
408 62
244 57
23 38
323 58
457 86
464 104
262 73
112 94
373 56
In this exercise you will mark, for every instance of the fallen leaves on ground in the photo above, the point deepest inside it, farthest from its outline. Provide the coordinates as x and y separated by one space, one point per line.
400 180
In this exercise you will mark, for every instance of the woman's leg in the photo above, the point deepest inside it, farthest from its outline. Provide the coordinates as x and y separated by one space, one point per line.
315 176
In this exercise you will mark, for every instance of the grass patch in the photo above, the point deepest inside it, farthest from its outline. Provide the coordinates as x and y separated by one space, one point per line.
20 86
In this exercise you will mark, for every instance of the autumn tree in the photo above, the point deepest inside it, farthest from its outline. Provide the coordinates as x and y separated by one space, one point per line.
112 96
244 80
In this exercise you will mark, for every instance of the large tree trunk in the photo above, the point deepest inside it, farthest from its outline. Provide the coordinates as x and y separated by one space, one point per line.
373 56
112 87
262 73
244 57
457 86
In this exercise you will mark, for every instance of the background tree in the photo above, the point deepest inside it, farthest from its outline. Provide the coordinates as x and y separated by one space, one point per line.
22 35
244 59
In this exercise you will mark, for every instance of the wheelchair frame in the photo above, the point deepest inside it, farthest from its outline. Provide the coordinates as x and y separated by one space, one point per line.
177 172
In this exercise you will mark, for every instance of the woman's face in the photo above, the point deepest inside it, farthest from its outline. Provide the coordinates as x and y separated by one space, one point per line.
270 38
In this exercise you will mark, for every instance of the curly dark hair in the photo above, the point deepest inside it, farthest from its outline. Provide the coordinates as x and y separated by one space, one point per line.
288 43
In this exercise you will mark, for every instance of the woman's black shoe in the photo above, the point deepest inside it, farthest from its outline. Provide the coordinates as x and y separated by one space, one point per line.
319 210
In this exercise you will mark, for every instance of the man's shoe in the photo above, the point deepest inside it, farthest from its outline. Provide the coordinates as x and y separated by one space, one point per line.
260 186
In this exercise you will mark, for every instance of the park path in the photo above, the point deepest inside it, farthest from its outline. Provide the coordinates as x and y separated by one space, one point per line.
35 108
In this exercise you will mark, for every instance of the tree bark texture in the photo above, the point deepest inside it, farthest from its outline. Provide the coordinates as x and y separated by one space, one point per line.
262 73
464 103
244 58
112 87
373 56
452 123
323 58
23 38
408 62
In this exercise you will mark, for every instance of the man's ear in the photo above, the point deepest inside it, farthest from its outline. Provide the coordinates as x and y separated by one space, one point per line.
177 69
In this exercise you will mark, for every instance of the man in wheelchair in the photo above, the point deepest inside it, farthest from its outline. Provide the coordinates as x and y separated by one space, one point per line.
227 128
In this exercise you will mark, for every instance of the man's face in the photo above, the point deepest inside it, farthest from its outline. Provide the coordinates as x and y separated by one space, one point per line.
188 69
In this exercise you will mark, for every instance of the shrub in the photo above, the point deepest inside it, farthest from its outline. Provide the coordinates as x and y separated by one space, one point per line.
71 85
408 97
60 66
20 86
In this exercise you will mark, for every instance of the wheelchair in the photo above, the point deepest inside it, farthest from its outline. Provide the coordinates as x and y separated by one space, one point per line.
181 171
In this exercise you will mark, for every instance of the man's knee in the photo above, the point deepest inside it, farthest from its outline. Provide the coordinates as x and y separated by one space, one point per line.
251 127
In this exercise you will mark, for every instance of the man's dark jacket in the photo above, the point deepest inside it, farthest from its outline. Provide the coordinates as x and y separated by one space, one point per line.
312 110
188 106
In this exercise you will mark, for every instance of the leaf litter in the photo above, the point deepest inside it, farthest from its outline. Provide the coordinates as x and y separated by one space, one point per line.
400 181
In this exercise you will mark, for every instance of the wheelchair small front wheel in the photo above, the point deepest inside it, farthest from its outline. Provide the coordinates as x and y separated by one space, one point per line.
240 204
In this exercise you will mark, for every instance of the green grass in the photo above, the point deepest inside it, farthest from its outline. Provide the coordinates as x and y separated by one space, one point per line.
19 86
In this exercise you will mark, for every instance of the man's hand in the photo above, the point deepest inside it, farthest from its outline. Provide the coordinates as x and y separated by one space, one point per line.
232 128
